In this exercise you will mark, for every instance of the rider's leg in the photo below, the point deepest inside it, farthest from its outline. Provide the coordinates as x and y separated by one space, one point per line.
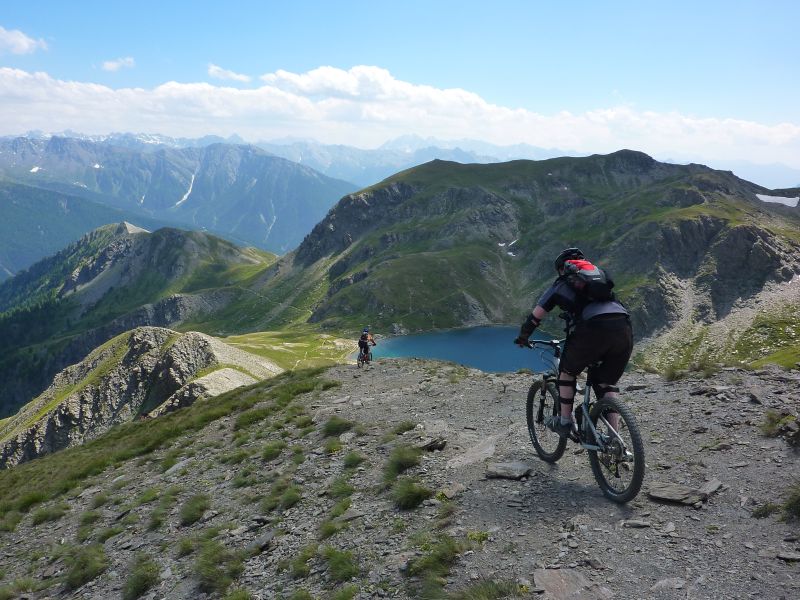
606 390
566 395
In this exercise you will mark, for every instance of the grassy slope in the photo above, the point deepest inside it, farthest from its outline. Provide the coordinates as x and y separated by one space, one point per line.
421 287
56 474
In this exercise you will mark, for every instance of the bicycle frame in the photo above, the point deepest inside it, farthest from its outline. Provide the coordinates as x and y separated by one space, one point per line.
551 376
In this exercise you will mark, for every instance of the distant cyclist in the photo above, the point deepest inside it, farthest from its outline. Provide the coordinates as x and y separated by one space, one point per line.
602 331
365 341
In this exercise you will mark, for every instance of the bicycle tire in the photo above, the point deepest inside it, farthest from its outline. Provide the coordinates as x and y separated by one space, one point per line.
606 467
548 444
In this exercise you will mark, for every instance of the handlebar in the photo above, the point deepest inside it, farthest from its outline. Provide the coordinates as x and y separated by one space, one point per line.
551 343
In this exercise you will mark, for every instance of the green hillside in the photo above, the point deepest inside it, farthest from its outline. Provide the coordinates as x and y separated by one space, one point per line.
36 222
446 245
112 280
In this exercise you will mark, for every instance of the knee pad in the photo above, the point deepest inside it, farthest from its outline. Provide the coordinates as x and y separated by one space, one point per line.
602 390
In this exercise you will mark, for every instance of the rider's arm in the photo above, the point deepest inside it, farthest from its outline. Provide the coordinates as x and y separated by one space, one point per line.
530 324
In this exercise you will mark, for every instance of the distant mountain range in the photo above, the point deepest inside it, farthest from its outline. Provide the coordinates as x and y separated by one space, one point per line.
366 167
240 192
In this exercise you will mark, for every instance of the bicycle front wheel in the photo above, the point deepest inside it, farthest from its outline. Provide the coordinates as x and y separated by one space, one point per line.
620 469
541 405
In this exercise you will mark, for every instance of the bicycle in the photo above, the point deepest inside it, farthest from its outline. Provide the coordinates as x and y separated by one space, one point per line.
615 455
364 358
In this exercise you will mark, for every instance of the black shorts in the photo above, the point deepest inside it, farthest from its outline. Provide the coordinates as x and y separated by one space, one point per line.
607 339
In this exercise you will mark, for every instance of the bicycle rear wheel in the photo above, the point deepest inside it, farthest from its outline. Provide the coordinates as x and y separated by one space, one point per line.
620 470
548 444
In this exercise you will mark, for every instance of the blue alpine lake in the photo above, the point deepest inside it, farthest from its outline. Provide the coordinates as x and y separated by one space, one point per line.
486 348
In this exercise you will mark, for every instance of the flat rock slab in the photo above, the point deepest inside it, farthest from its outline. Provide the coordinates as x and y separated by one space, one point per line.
671 583
569 584
510 470
636 523
683 494
452 490
789 556
261 543
482 451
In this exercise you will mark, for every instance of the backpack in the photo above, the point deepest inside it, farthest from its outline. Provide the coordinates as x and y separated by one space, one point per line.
588 280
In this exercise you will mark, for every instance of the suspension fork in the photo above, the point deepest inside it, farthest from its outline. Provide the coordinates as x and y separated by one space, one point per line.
543 398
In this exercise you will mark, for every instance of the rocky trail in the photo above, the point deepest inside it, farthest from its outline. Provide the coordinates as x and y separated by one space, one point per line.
547 531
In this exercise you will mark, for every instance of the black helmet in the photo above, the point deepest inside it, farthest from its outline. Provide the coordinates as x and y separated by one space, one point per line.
567 254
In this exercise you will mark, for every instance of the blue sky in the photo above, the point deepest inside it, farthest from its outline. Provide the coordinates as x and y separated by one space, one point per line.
681 79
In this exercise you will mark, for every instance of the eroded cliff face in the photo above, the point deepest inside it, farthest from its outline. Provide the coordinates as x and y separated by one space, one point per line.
149 369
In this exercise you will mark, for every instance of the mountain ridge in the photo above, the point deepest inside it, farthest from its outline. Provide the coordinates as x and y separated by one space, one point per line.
236 191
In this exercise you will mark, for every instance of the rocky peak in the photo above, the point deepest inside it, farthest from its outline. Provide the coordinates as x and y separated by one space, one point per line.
148 370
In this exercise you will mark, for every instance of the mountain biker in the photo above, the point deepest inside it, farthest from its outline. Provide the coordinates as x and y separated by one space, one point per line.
364 342
602 333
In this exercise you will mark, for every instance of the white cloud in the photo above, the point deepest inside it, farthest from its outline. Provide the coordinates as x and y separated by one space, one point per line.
220 73
120 63
364 106
16 42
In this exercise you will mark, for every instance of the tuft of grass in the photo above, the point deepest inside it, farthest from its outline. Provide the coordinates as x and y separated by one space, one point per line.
29 500
433 566
298 455
336 426
99 500
340 488
299 567
444 515
774 422
342 565
109 532
217 567
400 460
282 494
408 494
302 421
333 445
329 528
49 513
164 504
143 576
234 458
186 546
402 427
253 416
147 496
272 450
478 536
301 595
89 517
238 594
791 506
84 563
290 497
765 510
244 478
10 520
347 592
340 508
352 460
193 509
